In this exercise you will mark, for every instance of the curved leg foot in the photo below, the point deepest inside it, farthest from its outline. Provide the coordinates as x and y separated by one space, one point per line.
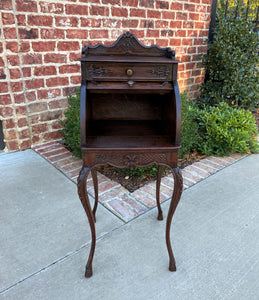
158 183
95 181
178 187
82 192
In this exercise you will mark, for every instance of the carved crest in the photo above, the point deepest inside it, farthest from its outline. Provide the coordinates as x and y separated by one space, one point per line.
127 44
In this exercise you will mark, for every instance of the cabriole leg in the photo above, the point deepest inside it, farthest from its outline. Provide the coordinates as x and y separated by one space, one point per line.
95 181
178 187
82 192
158 183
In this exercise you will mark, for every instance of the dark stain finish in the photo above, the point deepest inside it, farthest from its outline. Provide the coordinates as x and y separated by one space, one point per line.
130 116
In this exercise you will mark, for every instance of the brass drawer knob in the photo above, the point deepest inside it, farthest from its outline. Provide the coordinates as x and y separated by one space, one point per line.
130 83
129 72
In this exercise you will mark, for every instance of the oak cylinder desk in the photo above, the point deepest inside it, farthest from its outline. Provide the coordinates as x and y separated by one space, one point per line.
130 116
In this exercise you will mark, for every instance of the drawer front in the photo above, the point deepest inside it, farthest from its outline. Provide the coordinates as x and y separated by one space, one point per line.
105 71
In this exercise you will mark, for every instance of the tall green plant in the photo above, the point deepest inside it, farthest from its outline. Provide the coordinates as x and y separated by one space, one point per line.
232 60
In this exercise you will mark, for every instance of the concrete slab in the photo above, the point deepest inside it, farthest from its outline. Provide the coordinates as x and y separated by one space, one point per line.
41 217
215 236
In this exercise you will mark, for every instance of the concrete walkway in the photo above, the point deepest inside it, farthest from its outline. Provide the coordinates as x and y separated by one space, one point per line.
45 239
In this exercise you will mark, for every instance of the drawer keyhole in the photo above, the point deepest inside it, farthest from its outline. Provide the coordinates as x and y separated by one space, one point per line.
129 72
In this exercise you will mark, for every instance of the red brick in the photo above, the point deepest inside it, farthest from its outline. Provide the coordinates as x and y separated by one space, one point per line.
58 103
1 47
6 5
39 128
139 33
25 144
129 23
97 34
26 72
88 22
14 73
146 3
24 134
75 79
19 98
6 111
153 33
176 6
8 124
168 32
191 50
45 70
12 145
37 107
201 8
176 24
40 20
99 11
189 7
16 86
162 5
154 14
168 15
134 12
2 74
186 42
57 81
5 99
181 16
180 33
194 16
22 122
162 42
69 69
26 5
28 34
31 96
35 139
77 34
8 18
202 49
1 62
203 33
11 134
161 24
52 33
50 115
67 21
21 110
55 58
68 46
189 66
54 135
13 60
34 84
119 12
113 23
48 94
12 46
10 33
43 46
90 1
73 56
68 90
29 59
56 8
132 3
175 42
21 20
73 9
24 47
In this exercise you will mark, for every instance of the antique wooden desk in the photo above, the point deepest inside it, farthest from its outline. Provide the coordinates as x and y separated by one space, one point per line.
130 116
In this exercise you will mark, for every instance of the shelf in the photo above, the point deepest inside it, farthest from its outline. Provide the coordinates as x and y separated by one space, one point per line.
127 134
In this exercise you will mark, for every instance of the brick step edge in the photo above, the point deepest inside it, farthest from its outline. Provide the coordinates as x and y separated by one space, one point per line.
119 200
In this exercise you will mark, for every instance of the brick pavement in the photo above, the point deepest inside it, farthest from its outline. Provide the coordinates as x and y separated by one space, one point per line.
115 197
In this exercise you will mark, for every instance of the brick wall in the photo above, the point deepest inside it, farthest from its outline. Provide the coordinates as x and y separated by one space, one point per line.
40 41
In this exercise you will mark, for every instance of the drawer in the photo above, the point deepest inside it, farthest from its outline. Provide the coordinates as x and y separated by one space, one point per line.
108 71
130 86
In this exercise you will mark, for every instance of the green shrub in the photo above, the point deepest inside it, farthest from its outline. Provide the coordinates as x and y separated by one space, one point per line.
232 60
224 129
189 137
71 126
